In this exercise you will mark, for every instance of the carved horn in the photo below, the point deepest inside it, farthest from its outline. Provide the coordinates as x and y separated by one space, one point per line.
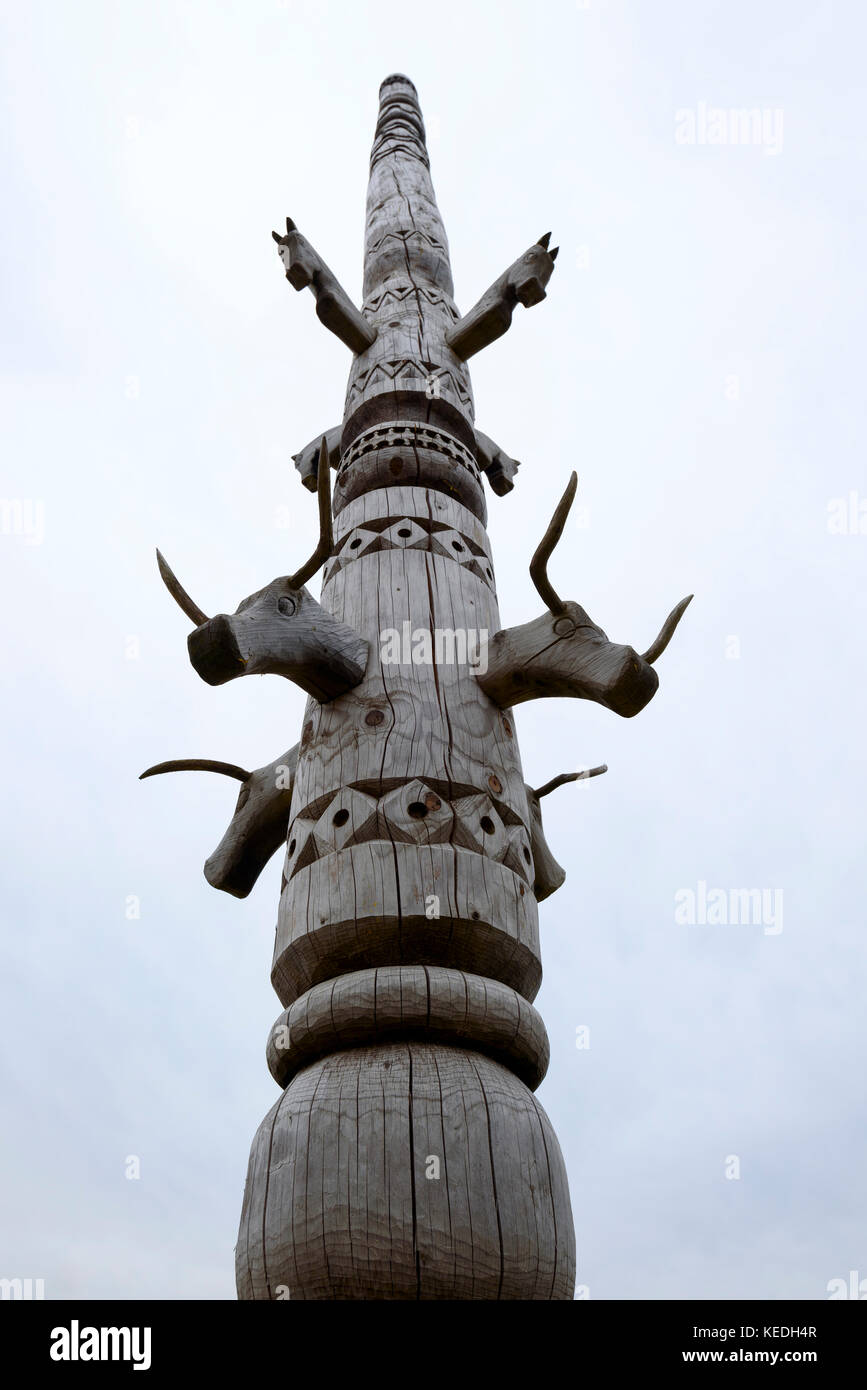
197 765
539 562
569 777
667 631
326 535
180 595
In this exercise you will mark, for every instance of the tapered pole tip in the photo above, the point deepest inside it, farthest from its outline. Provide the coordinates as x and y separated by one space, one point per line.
393 79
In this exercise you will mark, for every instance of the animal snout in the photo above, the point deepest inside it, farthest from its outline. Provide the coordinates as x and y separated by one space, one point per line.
214 651
636 683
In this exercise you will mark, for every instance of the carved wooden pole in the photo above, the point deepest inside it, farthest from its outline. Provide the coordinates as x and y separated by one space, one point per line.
407 1156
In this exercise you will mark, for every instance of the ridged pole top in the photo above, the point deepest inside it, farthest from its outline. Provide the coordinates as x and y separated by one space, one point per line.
401 204
400 128
409 376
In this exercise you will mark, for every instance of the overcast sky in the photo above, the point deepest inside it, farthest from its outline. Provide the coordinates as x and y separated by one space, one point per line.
699 360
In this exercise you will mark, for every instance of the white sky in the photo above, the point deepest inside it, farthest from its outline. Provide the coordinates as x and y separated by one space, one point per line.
699 360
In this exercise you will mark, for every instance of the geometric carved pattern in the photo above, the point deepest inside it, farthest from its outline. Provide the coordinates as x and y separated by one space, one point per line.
405 236
402 371
378 457
411 533
397 434
384 149
411 813
401 292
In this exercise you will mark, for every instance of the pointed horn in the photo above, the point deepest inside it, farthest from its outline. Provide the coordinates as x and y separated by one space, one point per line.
667 631
180 595
326 537
197 765
569 777
544 240
539 562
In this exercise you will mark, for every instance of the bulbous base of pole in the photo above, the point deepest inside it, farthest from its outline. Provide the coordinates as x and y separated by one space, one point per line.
406 1171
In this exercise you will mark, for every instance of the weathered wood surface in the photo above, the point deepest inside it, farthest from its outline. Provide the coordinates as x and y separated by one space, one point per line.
407 1157
343 1200
401 453
307 459
257 828
548 874
280 630
427 1003
565 653
523 283
367 851
409 372
407 946
305 269
499 469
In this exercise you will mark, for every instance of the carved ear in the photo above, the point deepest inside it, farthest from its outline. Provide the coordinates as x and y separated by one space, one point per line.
290 227
543 240
553 254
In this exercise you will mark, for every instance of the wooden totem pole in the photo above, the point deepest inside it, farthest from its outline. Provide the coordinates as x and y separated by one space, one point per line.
406 1157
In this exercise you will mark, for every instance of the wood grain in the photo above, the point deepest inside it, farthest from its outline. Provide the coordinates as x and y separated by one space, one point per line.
407 1157
339 1206
425 1003
523 283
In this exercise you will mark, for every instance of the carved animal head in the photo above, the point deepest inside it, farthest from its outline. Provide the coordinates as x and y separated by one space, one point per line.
280 629
565 653
258 826
549 875
529 275
300 261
